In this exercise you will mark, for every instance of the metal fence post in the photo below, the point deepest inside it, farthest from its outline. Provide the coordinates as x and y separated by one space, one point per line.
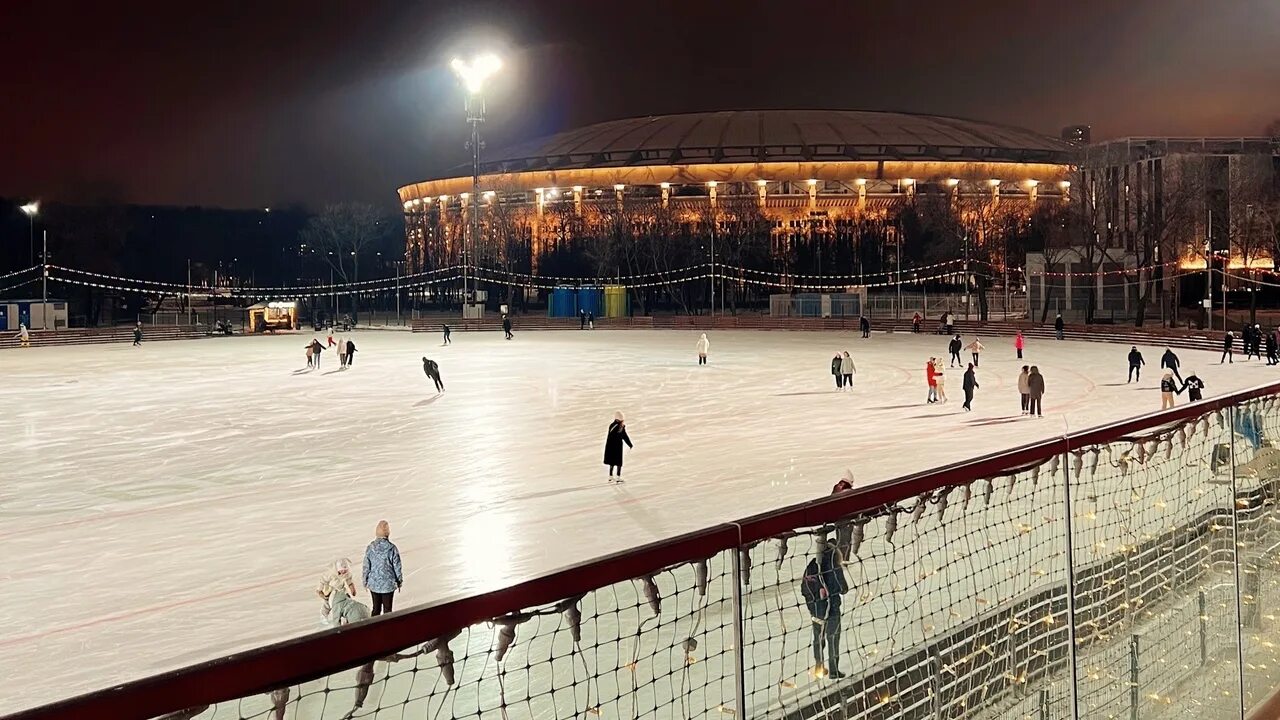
1230 412
1204 631
1133 678
936 686
739 679
1044 704
1071 585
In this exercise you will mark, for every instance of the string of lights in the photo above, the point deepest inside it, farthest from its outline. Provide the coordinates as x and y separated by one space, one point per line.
264 293
19 272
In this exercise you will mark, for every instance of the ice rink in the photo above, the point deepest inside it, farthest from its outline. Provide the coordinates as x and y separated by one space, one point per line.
171 503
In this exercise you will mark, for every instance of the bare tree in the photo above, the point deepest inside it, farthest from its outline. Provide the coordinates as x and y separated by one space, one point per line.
341 234
1247 228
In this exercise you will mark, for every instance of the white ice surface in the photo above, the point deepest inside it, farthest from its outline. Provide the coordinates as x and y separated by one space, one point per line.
172 503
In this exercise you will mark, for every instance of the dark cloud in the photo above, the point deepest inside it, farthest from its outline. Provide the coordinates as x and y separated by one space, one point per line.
250 104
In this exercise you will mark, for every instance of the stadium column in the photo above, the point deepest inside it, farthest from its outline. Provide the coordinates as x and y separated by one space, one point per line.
535 248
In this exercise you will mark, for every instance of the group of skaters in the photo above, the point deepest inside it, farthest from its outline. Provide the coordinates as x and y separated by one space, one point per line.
1169 381
843 369
346 349
1254 340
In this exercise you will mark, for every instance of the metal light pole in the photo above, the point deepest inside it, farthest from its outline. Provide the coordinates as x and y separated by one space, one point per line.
44 278
473 75
1208 275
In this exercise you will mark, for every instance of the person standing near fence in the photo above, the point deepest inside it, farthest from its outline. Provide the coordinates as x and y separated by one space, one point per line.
704 346
1228 343
822 586
1019 343
1035 391
836 363
1058 326
137 334
1024 388
864 324
970 384
915 323
383 574
1135 365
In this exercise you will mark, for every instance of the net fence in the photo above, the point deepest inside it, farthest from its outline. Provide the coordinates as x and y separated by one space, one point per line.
1131 572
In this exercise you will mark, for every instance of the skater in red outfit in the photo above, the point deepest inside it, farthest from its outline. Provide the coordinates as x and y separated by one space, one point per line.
613 444
1018 343
930 376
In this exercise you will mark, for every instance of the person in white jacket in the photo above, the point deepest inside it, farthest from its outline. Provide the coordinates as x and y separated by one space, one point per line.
976 348
342 351
704 346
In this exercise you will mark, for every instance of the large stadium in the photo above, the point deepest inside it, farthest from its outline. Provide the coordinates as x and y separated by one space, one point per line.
800 167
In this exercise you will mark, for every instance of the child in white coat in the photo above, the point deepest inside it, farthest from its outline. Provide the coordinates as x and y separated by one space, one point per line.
704 346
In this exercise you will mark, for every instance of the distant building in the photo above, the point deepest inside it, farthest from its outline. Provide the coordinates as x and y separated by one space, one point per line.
1077 135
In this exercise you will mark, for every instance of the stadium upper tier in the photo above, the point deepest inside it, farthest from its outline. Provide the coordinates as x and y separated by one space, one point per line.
769 145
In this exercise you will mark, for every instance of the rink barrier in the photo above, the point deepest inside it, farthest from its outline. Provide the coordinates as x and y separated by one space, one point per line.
95 336
1174 561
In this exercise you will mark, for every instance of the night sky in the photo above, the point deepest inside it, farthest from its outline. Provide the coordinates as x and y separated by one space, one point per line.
255 104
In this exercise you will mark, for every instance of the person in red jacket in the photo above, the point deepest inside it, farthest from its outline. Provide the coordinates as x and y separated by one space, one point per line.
929 373
1018 343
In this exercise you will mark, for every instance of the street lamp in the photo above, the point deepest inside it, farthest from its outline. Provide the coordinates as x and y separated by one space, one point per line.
32 209
473 74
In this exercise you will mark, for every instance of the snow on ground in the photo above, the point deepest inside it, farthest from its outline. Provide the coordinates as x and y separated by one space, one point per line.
171 503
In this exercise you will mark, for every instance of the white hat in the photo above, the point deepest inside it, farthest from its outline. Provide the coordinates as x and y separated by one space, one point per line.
618 416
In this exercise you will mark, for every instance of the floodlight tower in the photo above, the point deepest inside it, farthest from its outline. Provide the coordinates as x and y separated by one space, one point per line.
473 75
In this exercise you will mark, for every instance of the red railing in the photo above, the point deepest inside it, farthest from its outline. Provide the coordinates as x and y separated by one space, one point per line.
313 656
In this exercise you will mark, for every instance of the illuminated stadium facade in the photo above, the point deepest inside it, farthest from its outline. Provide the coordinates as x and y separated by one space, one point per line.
803 171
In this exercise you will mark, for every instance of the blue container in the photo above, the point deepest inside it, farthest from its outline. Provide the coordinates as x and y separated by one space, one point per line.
591 300
563 302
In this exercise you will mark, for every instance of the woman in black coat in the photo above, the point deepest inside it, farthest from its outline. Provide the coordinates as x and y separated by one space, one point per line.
613 444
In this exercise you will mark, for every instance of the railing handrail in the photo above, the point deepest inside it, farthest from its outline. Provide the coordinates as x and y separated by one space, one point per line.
266 668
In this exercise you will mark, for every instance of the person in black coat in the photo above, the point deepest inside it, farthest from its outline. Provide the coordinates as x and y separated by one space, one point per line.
953 347
1170 360
351 353
1193 385
613 444
835 370
822 586
1272 358
1058 326
864 323
1257 341
1135 365
316 349
1228 341
433 371
582 319
137 335
446 334
970 384
506 326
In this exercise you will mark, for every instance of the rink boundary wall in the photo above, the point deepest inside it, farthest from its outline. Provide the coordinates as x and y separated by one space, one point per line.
261 670
1183 339
95 336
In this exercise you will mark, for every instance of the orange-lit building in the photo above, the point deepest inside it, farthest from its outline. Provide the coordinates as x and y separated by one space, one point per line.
800 167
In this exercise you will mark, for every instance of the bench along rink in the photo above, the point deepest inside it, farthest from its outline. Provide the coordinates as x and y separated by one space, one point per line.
171 503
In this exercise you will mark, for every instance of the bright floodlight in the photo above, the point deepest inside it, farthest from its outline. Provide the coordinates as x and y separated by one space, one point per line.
474 74
31 208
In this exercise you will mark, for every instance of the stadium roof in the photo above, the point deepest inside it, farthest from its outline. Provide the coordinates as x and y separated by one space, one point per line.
755 136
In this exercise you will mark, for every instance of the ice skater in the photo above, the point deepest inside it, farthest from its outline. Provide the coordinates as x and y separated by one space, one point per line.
613 445
343 610
1058 326
582 319
1169 361
847 369
970 384
591 321
704 346
1024 388
1018 343
915 323
383 572
836 363
311 351
821 586
864 324
1193 385
433 371
351 352
1228 341
1168 386
137 335
330 342
24 336
931 378
976 348
316 349
1272 359
341 346
446 335
1035 387
1257 341
336 577
1135 365
506 327
953 347
939 381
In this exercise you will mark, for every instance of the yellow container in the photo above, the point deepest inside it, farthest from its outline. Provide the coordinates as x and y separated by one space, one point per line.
615 301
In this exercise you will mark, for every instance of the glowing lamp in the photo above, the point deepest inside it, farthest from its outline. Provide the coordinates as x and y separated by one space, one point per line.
474 74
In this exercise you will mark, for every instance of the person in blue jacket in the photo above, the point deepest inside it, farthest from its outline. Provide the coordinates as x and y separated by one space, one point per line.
383 574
